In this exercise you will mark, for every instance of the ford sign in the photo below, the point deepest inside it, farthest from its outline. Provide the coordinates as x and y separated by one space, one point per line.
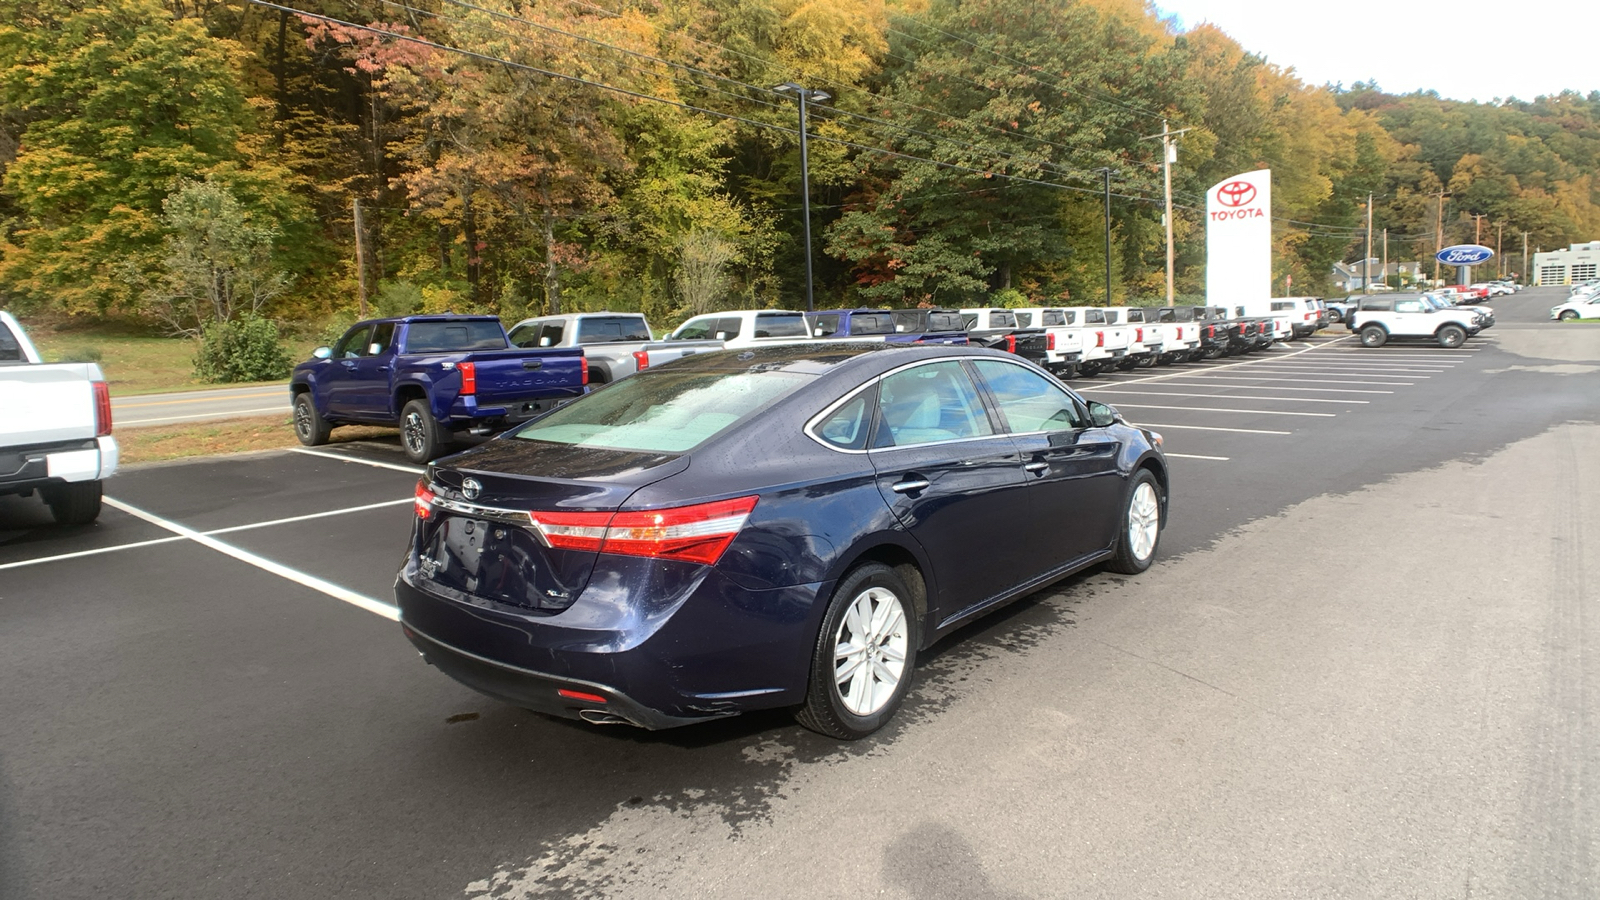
1464 255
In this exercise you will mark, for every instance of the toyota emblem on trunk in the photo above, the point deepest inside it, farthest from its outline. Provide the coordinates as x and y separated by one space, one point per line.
1236 193
470 488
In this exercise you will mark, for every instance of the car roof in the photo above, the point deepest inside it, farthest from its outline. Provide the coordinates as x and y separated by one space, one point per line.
820 356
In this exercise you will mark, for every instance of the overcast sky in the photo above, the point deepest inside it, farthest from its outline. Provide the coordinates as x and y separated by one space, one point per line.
1509 50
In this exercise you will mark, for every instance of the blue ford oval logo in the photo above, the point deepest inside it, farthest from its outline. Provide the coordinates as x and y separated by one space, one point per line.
1464 255
471 488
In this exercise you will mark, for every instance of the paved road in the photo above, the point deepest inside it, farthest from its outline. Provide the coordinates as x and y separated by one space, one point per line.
199 406
1364 667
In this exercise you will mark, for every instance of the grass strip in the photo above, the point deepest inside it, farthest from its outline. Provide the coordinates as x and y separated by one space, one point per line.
164 442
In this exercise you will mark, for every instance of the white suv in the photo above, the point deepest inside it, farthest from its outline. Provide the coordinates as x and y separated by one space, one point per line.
1583 306
1380 319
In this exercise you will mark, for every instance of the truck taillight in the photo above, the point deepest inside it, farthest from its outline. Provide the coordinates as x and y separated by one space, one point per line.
642 357
1139 338
102 409
583 366
1211 331
1180 333
469 379
1099 338
1050 341
1011 343
698 533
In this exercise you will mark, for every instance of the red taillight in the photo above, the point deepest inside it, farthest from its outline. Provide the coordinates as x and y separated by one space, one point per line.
1011 343
583 365
469 378
423 499
642 357
1139 338
698 533
1099 338
580 695
1310 316
1180 333
102 409
1211 331
1050 340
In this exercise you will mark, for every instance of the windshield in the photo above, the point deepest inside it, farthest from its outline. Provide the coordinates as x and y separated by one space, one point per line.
661 411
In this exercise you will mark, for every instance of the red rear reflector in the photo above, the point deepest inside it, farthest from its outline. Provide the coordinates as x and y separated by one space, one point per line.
698 533
642 357
580 695
1011 343
423 499
469 378
1050 341
102 409
583 364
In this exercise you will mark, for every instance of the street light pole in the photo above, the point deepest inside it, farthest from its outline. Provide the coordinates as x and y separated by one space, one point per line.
804 95
1106 171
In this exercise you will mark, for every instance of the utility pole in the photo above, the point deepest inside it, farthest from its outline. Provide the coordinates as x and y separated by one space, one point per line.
1169 155
1384 269
805 95
1438 234
1477 226
1106 171
361 258
1526 277
1499 261
1366 261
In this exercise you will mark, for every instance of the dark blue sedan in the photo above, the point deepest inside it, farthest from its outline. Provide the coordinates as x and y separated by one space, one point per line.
780 527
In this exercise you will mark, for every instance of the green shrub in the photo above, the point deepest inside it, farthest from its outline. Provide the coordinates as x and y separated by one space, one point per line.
82 355
1009 298
245 349
397 298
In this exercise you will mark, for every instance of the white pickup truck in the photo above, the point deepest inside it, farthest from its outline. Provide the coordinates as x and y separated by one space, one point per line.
1065 349
616 344
55 429
1105 343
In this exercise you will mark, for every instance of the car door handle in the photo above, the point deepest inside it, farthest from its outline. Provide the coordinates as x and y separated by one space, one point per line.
383 368
910 485
533 364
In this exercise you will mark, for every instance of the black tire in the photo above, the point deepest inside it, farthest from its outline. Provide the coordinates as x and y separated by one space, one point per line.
1127 363
1451 336
826 710
1374 336
1568 315
1147 361
74 503
1133 556
309 425
1334 318
421 436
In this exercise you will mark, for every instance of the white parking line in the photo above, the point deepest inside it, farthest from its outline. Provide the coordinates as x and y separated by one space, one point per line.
1253 378
356 459
1213 428
229 530
1258 412
311 581
1264 387
1329 371
1193 456
1310 363
1226 396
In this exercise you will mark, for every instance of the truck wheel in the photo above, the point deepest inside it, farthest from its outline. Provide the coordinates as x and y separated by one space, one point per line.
421 436
1374 336
1141 526
73 503
866 650
1451 336
309 425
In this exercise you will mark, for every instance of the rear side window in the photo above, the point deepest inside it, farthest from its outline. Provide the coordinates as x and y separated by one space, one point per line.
1024 319
1380 305
450 337
607 329
10 347
1282 306
382 339
727 328
1028 401
928 404
661 411
847 427
772 325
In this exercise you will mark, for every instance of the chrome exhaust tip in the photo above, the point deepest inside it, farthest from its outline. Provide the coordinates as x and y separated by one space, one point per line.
601 717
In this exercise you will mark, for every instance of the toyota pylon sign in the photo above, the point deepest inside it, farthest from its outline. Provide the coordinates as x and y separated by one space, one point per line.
1239 239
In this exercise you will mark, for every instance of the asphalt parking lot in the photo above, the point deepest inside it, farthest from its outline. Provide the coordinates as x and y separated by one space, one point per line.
205 694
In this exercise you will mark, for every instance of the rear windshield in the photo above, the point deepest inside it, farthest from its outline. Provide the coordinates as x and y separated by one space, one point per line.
661 411
780 325
1282 306
871 323
945 321
1094 317
607 329
448 337
1054 317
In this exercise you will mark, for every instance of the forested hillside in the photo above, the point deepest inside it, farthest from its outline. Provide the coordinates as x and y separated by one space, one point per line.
183 161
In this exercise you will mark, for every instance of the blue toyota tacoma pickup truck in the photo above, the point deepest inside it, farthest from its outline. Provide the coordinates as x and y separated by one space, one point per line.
894 326
433 377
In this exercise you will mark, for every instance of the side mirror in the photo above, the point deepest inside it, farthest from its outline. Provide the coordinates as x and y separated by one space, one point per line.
544 341
722 335
818 332
1101 415
374 349
322 353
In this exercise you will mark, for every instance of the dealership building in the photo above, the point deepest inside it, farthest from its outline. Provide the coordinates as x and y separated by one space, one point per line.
1580 262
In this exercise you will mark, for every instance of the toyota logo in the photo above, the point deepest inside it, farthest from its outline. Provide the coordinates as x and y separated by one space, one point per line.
1236 193
470 488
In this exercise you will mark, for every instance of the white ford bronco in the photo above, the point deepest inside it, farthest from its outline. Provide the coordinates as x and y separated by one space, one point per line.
1381 319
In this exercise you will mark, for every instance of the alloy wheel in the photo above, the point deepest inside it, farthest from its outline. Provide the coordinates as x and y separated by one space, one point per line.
411 432
1144 521
302 420
870 651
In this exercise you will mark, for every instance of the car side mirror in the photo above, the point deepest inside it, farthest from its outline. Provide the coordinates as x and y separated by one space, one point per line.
374 349
322 353
722 335
818 332
544 341
1101 415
